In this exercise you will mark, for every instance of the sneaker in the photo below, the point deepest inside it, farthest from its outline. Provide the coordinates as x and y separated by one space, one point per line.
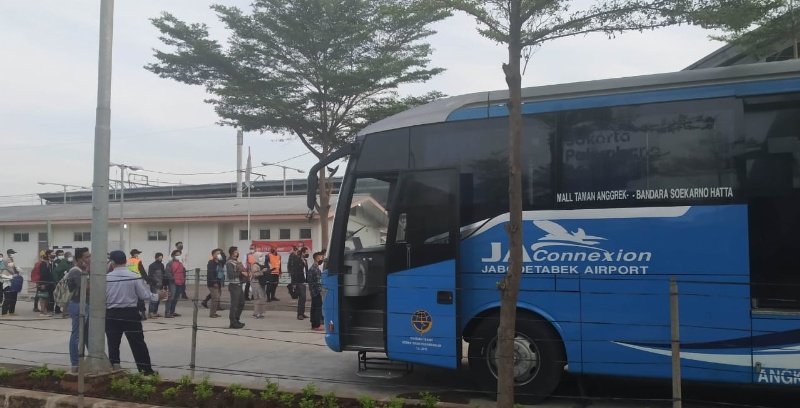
43 315
301 317
318 329
205 304
304 316
157 315
214 316
276 300
149 373
176 315
169 316
237 326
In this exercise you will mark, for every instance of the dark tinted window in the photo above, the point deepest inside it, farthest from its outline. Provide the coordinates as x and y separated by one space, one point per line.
479 149
643 152
384 151
769 156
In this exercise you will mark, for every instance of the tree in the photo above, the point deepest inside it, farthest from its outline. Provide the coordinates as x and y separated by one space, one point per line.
754 24
319 70
523 25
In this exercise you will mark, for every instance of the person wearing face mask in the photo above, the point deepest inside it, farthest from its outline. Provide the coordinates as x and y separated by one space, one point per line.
314 278
46 284
235 273
8 265
184 257
155 271
176 274
297 272
274 261
63 263
215 279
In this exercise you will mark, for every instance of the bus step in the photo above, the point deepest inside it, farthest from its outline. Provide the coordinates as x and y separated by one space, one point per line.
381 367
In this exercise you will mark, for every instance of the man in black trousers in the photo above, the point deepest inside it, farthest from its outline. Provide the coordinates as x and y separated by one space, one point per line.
124 290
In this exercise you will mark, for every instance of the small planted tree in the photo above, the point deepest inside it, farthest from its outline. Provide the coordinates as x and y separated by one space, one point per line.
524 25
319 70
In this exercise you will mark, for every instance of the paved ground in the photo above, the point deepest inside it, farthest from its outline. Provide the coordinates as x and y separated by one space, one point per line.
283 348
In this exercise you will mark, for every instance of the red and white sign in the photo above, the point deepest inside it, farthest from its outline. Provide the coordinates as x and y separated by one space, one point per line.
284 246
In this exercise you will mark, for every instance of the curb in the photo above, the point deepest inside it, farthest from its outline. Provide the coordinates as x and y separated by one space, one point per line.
15 398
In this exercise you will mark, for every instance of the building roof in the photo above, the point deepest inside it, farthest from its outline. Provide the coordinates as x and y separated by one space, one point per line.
189 191
261 208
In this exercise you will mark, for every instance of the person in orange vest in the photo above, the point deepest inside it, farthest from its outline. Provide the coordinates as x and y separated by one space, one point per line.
135 265
274 260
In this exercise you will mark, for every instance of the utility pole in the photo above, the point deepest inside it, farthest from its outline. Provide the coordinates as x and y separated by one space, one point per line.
98 361
284 172
122 168
239 144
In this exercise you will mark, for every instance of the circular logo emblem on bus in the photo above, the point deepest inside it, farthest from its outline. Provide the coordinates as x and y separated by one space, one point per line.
421 321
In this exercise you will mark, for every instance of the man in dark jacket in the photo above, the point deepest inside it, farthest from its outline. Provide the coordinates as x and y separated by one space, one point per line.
46 285
297 271
215 278
155 273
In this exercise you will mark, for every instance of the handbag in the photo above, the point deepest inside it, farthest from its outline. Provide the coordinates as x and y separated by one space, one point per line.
292 291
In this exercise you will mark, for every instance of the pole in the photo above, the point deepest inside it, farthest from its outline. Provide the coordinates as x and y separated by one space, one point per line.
239 143
102 145
676 343
65 194
81 339
284 181
194 318
121 207
248 213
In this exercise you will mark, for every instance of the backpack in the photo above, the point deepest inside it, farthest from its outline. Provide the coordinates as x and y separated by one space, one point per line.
36 272
16 284
62 294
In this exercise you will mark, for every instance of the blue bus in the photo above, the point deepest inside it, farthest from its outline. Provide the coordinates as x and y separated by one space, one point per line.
626 183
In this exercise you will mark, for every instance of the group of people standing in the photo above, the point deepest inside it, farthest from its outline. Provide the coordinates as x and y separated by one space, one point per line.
259 273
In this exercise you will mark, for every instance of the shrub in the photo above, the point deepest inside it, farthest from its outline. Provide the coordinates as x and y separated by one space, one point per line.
428 400
270 392
240 393
367 402
172 392
204 390
40 373
287 399
395 403
5 373
330 401
59 374
186 381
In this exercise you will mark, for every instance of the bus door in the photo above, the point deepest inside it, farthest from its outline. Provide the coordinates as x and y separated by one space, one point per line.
421 260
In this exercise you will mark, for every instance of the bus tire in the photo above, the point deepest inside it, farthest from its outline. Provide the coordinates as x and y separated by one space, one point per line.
537 342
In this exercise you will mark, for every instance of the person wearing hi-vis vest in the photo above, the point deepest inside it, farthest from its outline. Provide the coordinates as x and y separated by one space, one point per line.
135 265
274 260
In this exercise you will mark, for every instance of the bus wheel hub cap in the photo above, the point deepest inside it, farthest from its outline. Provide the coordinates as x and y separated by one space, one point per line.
525 359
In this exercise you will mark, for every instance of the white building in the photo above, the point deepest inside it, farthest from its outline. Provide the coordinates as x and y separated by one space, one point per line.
156 225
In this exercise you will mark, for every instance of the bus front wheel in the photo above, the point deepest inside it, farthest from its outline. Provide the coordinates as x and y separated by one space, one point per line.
539 357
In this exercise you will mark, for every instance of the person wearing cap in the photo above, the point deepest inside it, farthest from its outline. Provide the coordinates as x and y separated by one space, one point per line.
124 290
136 266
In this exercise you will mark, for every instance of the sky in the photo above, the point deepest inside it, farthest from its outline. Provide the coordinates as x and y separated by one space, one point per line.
48 90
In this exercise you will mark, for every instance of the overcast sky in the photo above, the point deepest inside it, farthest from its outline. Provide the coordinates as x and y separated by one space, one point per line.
48 88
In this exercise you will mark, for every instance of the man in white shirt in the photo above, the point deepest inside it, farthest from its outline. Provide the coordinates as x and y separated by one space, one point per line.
124 290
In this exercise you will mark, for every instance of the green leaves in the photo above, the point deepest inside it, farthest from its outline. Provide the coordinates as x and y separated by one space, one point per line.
315 69
762 27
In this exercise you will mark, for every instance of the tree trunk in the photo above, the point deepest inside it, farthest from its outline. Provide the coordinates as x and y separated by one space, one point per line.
509 286
324 208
